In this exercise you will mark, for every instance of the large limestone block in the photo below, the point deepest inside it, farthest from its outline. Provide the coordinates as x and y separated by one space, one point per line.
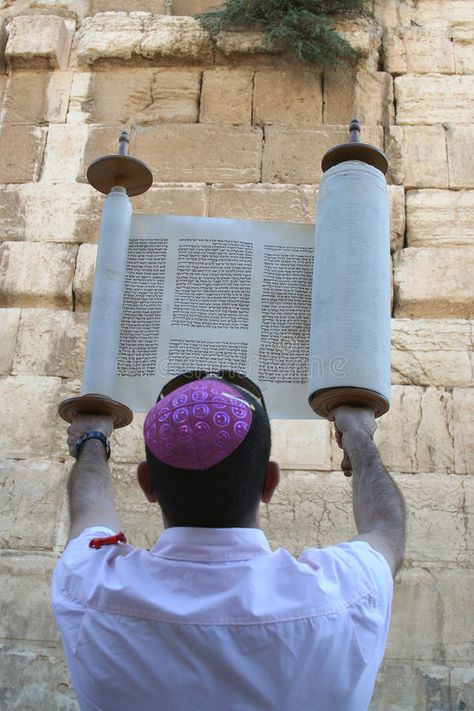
205 152
37 274
140 96
173 199
434 283
46 212
417 156
292 155
429 616
64 152
437 522
434 12
27 416
38 42
288 96
127 445
194 7
416 435
240 44
365 36
463 409
35 676
462 686
9 320
36 97
84 276
461 169
21 148
434 98
411 685
367 95
301 444
282 203
463 40
50 343
226 96
468 484
26 606
432 352
418 50
309 511
118 37
396 201
29 485
440 218
159 7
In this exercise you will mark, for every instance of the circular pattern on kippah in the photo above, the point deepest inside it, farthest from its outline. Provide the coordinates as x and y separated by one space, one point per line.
197 425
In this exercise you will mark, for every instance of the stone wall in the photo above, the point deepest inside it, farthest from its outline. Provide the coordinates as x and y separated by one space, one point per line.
231 131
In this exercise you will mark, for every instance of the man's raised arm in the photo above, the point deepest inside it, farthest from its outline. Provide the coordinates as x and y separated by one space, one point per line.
379 510
90 486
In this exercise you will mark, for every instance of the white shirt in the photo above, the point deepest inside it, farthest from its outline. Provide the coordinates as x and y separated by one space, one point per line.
213 620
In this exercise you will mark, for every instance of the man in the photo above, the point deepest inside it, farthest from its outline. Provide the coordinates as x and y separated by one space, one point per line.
211 619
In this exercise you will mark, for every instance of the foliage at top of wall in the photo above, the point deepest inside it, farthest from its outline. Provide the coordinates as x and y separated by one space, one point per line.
305 28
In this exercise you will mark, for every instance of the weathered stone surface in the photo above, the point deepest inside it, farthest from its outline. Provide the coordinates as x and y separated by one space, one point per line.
396 201
288 96
226 96
37 678
440 218
36 97
50 343
9 320
100 140
194 7
36 274
241 43
461 171
462 687
417 156
463 407
84 275
434 283
468 484
437 521
293 155
22 151
432 352
29 485
45 212
173 199
301 444
419 50
127 445
365 36
140 96
64 152
463 41
432 98
416 435
38 42
367 95
309 511
27 415
159 7
413 685
27 614
282 203
201 152
118 37
426 620
433 12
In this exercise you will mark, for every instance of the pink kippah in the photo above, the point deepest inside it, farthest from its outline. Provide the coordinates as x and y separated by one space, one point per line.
197 425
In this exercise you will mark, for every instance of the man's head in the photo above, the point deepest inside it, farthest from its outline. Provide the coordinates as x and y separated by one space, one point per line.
208 449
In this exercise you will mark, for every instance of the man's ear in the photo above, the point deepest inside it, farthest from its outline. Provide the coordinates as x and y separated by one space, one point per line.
144 479
271 482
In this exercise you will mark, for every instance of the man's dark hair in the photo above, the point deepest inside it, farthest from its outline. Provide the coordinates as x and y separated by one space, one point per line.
223 496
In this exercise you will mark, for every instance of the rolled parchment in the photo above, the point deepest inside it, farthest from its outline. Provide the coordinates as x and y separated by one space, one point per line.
107 294
350 326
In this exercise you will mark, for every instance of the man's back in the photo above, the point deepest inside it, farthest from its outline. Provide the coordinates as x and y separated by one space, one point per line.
211 619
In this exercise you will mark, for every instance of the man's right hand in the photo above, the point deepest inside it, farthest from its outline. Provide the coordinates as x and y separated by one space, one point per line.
351 423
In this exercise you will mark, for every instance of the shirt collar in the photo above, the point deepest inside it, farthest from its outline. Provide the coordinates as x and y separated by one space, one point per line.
211 545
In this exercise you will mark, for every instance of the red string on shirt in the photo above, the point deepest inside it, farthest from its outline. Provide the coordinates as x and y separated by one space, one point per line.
107 540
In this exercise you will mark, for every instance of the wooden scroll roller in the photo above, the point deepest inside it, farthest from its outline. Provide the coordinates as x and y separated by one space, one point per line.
350 329
118 176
